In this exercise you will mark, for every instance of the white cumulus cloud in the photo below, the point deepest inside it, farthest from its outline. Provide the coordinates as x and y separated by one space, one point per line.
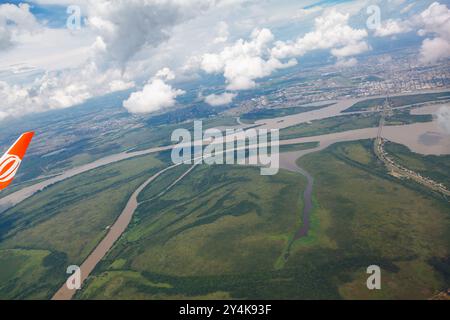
435 21
55 90
126 27
346 63
121 30
331 32
434 49
245 61
15 19
165 73
392 27
128 41
155 95
220 99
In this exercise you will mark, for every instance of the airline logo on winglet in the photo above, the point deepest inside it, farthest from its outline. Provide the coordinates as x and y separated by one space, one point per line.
10 161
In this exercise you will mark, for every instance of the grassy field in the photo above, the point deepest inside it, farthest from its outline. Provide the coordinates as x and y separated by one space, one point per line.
68 219
221 232
401 117
299 146
261 114
330 125
149 137
372 218
399 101
23 271
204 237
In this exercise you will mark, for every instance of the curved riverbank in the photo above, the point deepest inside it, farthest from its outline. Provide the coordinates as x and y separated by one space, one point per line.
289 161
117 229
307 205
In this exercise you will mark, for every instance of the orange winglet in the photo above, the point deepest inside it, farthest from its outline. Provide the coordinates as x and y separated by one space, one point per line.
10 161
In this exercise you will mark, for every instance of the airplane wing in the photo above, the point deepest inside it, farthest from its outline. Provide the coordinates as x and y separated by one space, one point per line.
10 161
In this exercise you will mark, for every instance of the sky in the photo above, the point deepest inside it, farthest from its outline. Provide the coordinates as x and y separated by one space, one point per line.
56 54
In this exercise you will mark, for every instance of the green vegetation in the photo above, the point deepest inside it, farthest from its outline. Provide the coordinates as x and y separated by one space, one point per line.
23 271
201 238
221 233
145 138
401 117
299 147
376 219
399 101
260 114
331 125
219 121
69 219
162 182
